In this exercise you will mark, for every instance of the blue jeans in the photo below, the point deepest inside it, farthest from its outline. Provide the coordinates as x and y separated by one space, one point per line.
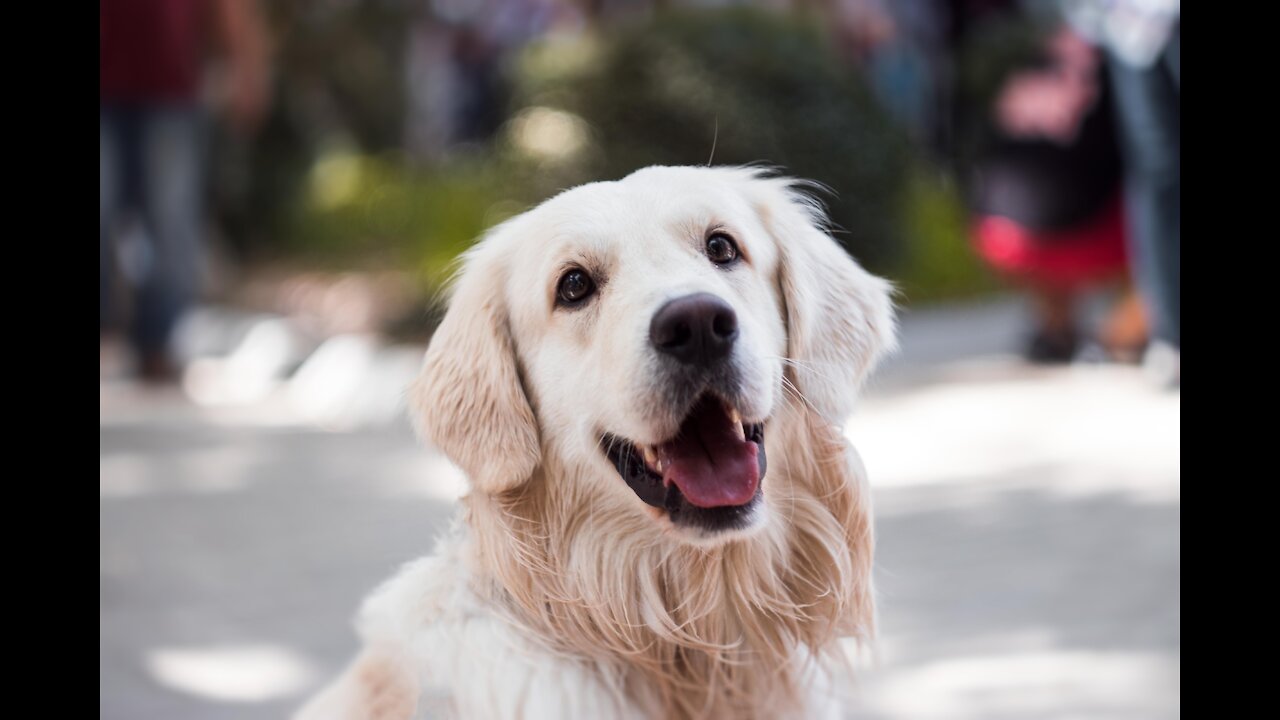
150 165
1147 105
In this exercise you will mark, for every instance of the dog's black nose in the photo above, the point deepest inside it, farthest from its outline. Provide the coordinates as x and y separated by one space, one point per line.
695 329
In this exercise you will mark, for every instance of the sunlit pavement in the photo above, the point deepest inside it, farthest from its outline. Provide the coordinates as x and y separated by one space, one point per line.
1028 523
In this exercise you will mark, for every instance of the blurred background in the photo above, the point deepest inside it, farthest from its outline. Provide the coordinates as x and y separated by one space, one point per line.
284 185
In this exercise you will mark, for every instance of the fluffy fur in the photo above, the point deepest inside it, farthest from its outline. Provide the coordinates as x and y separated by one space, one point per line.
558 593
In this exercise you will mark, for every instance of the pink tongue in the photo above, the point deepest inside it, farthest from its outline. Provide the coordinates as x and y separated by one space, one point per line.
707 461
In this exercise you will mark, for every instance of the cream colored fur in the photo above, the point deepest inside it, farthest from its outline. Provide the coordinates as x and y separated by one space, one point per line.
558 593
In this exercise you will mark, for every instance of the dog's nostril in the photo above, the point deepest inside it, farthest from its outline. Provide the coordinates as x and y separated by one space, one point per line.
725 325
680 334
670 335
694 329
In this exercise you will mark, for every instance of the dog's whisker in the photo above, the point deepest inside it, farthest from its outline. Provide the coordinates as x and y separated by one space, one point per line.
790 387
807 367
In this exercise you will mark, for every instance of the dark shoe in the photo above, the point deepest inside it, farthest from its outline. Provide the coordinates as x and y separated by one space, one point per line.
1052 348
157 367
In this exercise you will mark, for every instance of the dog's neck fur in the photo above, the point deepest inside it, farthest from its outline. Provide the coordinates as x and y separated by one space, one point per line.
683 631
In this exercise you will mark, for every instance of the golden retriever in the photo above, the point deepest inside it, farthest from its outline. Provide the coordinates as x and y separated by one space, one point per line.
644 381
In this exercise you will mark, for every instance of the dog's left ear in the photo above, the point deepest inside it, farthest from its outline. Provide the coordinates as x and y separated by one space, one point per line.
468 400
840 318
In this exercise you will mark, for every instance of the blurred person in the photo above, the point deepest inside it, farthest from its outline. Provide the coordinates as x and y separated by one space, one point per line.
911 51
892 45
152 57
456 62
1142 43
1048 199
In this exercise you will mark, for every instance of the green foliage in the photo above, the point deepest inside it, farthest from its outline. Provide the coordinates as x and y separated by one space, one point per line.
942 264
325 185
760 86
368 210
338 77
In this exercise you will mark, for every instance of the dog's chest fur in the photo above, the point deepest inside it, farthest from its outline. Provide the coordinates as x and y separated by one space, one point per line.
448 618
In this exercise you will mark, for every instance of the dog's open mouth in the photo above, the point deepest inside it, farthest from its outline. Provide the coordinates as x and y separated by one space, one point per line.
708 475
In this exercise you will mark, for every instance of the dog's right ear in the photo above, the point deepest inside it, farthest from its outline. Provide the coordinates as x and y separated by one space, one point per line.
839 318
468 400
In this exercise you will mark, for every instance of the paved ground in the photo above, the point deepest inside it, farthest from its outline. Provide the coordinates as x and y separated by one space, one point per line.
1028 524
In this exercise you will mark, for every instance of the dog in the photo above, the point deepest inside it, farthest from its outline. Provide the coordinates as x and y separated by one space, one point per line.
644 381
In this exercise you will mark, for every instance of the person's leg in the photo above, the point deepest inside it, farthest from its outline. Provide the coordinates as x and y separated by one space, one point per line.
172 187
1149 120
1124 331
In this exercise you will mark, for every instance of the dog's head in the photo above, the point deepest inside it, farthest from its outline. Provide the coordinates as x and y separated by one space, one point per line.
646 332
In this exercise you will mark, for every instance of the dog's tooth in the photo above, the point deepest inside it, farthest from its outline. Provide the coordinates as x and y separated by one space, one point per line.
650 457
663 462
735 419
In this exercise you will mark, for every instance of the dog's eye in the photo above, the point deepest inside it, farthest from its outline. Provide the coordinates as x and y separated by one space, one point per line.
721 249
575 286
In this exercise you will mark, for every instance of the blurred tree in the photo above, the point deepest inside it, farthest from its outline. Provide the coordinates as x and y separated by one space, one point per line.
342 176
338 82
758 85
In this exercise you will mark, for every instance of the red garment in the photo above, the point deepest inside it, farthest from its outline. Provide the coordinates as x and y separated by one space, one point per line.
1071 258
150 50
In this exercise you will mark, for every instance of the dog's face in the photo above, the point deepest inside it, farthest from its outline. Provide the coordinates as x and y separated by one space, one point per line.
648 321
646 332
